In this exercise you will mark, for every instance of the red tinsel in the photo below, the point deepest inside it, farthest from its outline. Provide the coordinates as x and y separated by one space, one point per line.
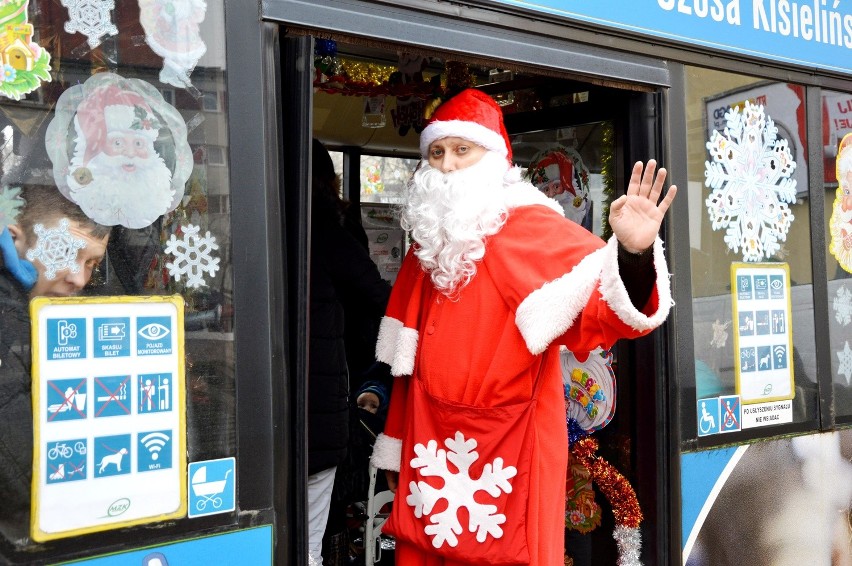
616 488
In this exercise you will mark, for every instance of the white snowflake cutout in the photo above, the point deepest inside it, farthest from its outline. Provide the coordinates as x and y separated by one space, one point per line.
91 18
843 306
844 359
750 177
10 205
192 256
56 249
458 490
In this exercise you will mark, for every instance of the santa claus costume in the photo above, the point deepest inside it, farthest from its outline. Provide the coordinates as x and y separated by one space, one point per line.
476 424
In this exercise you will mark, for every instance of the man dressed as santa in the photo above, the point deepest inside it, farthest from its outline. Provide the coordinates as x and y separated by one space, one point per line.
116 176
475 443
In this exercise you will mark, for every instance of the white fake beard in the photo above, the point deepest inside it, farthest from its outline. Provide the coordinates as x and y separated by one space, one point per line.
134 199
450 216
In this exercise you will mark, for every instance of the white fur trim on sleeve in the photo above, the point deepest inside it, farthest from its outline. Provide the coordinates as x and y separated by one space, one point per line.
406 351
387 453
396 346
386 343
471 131
548 312
615 294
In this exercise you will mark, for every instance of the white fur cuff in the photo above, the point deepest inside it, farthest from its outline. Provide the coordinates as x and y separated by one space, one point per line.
387 453
386 343
615 294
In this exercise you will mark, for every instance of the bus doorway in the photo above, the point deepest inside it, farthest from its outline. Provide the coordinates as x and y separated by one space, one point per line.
576 140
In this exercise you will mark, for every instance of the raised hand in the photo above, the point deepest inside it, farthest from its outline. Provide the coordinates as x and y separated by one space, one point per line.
636 217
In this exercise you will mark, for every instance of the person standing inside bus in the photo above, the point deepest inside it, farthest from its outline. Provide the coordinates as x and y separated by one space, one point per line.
475 442
342 273
44 209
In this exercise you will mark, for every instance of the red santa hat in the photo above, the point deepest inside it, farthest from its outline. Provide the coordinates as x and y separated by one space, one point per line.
109 109
471 115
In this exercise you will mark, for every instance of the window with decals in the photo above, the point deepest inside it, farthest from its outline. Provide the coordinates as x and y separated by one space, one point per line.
749 233
114 192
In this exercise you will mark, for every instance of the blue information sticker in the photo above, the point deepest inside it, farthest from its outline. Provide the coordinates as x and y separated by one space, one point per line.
66 338
112 396
708 416
154 450
153 336
112 455
155 393
112 337
66 399
211 487
66 460
731 413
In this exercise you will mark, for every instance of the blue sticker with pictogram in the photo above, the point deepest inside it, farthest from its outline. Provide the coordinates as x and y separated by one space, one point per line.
776 286
112 455
153 336
66 399
731 413
761 287
112 337
66 460
744 288
154 450
708 416
112 396
66 338
155 393
211 487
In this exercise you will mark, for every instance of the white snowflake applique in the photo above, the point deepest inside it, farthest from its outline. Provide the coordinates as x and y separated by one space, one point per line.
10 205
843 306
192 256
458 490
844 359
56 249
91 18
750 181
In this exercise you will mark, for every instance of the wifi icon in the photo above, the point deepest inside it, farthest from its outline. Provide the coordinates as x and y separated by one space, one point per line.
155 450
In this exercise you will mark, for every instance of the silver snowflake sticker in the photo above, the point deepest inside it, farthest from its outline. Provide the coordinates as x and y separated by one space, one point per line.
56 249
843 306
10 205
192 256
844 359
458 490
91 18
750 181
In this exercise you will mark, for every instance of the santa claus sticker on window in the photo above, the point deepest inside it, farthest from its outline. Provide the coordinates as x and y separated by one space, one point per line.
119 151
559 172
841 212
172 30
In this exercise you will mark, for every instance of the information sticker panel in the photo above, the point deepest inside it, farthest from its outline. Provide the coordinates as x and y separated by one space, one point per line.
763 335
109 413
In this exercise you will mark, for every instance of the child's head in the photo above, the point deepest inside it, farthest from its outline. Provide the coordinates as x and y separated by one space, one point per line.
372 396
47 207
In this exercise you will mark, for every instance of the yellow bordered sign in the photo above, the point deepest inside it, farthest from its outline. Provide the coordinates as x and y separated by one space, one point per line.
763 331
109 406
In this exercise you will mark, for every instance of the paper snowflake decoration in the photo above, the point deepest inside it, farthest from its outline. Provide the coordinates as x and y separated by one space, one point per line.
458 490
750 181
56 249
10 205
843 306
192 256
91 18
720 333
844 360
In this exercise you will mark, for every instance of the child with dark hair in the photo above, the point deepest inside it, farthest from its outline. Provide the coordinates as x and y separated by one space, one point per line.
26 273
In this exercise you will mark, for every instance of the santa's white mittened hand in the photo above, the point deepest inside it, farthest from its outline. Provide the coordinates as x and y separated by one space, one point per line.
636 217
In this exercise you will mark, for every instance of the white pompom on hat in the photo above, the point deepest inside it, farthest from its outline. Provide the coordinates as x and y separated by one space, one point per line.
471 115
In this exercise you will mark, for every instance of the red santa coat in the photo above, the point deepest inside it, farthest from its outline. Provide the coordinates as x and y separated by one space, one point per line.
544 282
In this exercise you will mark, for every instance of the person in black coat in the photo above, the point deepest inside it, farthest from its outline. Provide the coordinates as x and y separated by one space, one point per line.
21 280
341 273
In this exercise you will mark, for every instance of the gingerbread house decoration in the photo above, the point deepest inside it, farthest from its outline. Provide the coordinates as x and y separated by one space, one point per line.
15 49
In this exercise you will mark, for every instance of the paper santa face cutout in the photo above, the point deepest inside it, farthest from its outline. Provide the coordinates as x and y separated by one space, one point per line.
172 31
119 151
840 223
559 173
